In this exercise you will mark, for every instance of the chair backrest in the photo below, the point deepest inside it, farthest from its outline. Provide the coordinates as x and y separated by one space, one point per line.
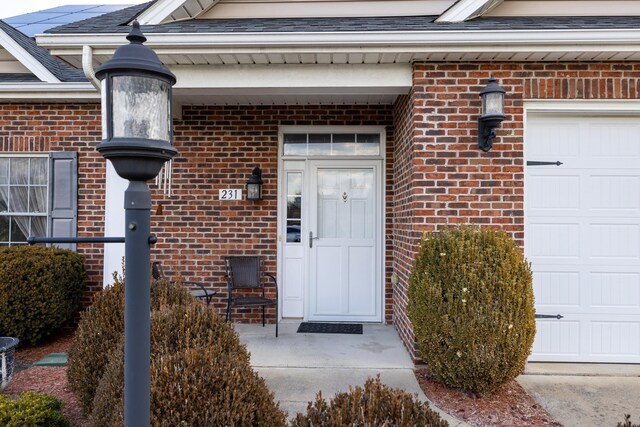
243 271
156 270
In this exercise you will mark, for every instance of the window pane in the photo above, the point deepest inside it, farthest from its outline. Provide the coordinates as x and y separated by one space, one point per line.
19 171
38 199
19 199
344 137
4 171
294 184
373 138
38 171
4 198
140 107
19 229
293 231
294 205
4 228
319 144
39 226
295 144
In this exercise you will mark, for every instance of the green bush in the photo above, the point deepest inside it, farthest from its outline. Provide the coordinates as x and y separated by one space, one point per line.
627 422
33 410
101 329
40 290
472 309
200 376
374 405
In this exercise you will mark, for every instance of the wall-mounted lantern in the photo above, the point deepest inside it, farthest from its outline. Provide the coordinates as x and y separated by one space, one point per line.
492 114
254 185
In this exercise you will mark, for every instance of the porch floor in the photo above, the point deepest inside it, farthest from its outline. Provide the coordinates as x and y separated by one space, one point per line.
297 366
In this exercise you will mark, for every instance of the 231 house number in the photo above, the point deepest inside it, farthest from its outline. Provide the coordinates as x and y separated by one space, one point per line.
230 194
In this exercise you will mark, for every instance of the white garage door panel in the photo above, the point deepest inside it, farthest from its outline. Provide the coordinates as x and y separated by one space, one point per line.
582 231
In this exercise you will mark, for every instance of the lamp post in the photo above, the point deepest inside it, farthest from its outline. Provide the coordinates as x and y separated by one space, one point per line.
492 113
137 138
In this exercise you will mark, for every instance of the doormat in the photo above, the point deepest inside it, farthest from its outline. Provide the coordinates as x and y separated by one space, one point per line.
330 328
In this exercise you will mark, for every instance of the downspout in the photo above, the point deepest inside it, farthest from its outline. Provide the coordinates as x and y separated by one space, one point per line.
87 66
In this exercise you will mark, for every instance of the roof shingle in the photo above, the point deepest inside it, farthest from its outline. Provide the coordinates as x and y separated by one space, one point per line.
61 70
116 22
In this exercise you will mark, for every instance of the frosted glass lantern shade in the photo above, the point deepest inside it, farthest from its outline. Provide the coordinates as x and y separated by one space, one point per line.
493 104
140 108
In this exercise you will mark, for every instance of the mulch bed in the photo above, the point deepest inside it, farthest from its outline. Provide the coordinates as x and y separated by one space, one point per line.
508 406
46 379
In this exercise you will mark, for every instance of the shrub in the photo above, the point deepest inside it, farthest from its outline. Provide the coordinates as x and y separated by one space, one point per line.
101 329
200 376
33 410
627 422
40 290
471 305
375 405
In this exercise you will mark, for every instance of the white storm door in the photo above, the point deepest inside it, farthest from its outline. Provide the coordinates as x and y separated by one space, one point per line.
343 242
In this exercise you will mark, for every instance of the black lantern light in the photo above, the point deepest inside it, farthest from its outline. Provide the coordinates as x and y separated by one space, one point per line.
254 185
136 116
492 114
137 139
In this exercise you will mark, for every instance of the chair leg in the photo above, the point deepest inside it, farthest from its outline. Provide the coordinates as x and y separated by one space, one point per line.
263 323
228 310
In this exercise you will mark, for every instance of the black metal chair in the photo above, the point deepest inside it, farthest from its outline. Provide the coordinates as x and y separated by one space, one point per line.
202 293
244 272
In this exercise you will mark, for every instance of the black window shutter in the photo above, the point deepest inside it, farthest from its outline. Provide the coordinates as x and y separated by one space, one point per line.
63 196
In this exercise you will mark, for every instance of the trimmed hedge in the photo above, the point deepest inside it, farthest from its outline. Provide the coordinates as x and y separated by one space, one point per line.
200 376
101 329
33 410
40 290
472 308
627 422
374 405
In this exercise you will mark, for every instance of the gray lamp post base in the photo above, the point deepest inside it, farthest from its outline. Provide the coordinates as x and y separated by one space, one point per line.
137 305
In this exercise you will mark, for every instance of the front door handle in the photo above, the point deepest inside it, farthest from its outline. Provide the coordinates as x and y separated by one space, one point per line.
311 239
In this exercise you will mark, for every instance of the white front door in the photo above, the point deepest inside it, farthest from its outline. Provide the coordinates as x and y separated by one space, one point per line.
343 241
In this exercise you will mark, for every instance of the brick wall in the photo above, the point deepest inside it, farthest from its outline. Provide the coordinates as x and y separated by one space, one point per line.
455 182
33 128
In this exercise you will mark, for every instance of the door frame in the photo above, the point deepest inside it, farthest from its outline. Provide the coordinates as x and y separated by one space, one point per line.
304 166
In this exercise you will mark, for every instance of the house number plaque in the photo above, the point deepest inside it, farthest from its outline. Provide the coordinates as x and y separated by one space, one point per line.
230 194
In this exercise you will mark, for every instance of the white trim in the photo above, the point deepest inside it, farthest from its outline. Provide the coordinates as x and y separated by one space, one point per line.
48 91
26 59
159 11
463 10
600 40
626 107
383 78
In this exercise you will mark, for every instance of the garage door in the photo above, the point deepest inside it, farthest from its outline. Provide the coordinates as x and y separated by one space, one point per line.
582 236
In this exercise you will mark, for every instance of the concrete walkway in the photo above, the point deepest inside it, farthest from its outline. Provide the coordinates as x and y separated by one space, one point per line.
580 394
297 366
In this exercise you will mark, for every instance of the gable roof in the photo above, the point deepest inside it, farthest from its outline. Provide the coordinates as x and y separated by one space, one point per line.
117 22
161 11
463 10
35 58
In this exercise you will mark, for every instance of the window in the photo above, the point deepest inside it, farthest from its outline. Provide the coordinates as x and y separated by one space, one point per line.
294 207
332 144
38 196
23 198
